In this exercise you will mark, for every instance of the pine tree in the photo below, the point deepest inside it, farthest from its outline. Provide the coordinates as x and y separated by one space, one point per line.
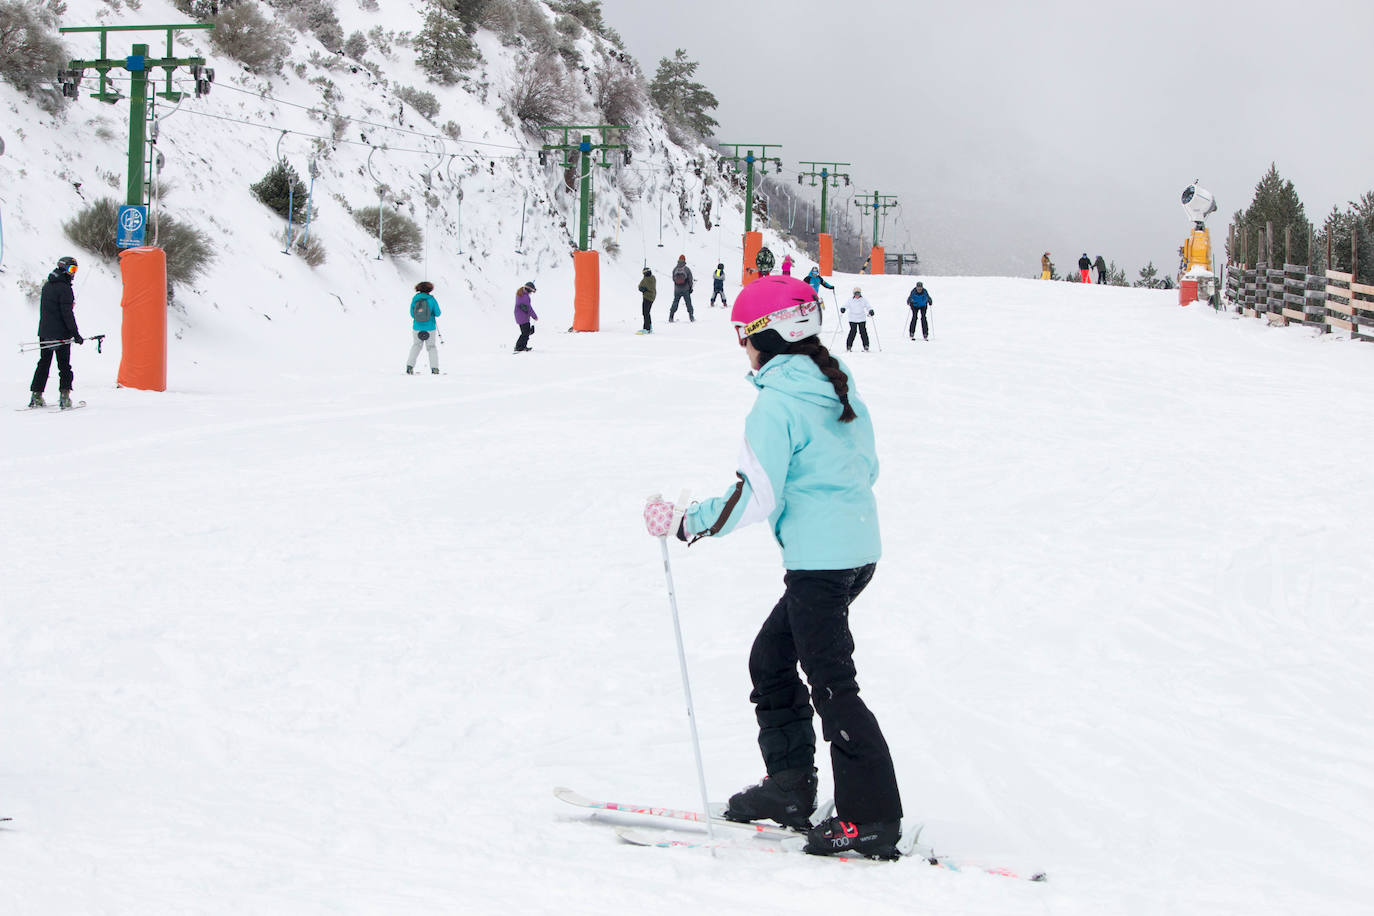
443 46
1276 202
1148 276
685 104
1357 219
282 188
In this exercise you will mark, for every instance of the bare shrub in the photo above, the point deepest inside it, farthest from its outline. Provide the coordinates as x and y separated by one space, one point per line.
618 93
249 37
30 52
189 250
401 235
542 94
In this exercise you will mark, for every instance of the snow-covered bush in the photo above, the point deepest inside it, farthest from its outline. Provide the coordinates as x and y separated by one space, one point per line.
30 52
401 235
443 47
189 251
316 17
282 190
246 35
356 46
423 102
618 93
542 94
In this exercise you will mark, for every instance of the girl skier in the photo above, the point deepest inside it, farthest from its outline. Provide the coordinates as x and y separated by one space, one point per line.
807 466
858 311
424 308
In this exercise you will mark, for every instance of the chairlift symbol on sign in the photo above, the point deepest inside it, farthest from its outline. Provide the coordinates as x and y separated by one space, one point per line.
132 223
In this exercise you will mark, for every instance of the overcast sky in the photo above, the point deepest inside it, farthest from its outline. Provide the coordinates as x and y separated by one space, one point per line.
1009 128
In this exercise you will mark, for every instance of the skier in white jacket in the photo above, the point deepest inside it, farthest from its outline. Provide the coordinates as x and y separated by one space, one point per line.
858 311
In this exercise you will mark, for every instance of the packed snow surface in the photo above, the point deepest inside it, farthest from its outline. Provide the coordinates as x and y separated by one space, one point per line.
307 635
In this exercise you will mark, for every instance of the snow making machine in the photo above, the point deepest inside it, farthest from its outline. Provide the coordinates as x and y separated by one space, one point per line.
1196 277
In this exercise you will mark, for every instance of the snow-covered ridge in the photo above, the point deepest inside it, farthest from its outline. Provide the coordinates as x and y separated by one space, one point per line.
515 221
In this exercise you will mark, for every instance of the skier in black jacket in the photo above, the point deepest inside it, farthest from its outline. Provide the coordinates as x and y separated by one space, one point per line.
56 331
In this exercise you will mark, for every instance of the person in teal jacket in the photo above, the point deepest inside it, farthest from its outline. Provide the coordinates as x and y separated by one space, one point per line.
807 467
424 308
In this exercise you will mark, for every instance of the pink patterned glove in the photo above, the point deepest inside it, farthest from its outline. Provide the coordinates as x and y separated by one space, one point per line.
658 516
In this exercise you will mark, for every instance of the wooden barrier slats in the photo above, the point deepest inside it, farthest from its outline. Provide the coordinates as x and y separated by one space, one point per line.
1362 288
1337 292
1341 307
1337 275
1340 323
1295 314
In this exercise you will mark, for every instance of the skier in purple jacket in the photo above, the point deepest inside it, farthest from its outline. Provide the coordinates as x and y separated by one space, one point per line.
525 316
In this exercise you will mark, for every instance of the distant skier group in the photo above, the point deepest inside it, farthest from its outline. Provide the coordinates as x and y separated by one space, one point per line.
1085 267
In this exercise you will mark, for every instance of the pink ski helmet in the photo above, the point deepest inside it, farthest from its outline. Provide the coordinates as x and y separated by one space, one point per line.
775 311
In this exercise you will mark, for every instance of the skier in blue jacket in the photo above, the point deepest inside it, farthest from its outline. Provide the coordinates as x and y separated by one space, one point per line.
807 468
919 299
424 308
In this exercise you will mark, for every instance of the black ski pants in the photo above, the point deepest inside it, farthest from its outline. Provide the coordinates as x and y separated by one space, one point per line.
647 307
918 311
681 295
719 290
65 376
810 626
522 342
860 328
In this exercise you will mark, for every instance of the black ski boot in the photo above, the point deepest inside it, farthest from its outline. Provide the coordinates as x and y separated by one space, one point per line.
64 400
833 837
36 400
787 796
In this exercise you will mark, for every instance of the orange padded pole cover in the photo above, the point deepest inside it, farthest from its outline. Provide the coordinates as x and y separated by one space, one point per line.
753 241
877 260
826 256
586 291
143 331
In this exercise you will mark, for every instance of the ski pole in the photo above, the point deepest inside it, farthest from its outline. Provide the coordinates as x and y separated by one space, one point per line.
51 344
678 512
876 339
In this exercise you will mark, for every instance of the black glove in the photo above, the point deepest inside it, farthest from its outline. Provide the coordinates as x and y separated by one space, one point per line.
78 338
842 310
870 313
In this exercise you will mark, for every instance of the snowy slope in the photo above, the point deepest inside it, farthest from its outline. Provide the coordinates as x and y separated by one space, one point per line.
319 637
217 146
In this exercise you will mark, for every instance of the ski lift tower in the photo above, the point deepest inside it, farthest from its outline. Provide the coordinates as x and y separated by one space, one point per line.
142 267
1197 280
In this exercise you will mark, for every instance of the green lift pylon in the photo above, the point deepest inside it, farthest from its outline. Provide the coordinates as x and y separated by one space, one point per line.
829 179
880 203
584 148
138 63
749 159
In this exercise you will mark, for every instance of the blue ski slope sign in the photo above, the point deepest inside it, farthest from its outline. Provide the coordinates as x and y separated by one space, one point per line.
131 226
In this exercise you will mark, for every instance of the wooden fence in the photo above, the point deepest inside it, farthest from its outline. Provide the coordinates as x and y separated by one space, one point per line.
1329 301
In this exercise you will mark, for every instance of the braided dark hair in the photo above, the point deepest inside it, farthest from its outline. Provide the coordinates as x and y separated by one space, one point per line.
829 366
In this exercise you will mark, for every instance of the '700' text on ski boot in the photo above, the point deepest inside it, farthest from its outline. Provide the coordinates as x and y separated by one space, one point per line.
874 840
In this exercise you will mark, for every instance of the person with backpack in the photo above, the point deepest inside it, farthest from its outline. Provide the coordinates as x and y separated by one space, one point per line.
682 288
525 316
57 332
919 299
859 312
648 288
718 287
1085 268
424 308
1100 265
808 465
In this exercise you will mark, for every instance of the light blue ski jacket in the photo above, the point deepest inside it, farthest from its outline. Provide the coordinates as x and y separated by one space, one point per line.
809 475
434 312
